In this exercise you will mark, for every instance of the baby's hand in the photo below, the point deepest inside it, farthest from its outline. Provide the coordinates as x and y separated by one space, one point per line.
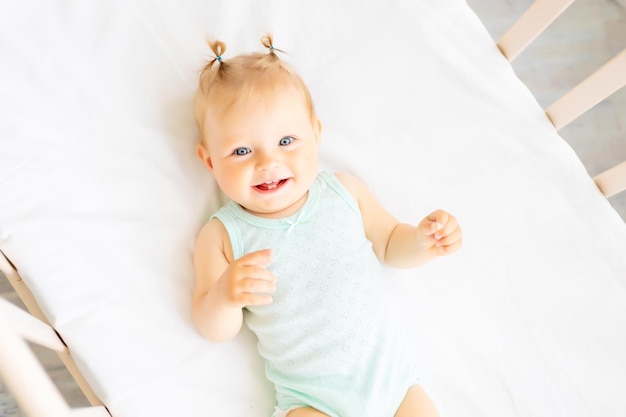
246 282
441 233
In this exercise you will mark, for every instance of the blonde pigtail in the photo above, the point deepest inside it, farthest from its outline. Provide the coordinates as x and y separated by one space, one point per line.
268 41
209 74
218 48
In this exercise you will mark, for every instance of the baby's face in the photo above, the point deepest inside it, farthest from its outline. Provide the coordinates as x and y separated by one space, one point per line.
263 151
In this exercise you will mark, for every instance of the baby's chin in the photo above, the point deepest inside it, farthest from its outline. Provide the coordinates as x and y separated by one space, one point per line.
277 211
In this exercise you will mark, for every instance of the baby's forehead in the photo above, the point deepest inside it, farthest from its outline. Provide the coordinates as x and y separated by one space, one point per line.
285 91
214 104
263 85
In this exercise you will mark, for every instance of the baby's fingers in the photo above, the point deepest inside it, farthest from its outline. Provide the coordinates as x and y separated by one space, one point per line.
248 282
450 243
435 222
261 257
254 279
257 291
257 299
447 228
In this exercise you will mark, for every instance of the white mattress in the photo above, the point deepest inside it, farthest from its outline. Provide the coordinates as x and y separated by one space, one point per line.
101 197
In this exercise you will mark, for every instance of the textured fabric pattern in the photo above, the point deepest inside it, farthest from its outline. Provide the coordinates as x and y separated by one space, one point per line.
325 337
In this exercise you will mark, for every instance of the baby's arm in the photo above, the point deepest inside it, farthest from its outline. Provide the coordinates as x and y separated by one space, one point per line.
398 244
223 286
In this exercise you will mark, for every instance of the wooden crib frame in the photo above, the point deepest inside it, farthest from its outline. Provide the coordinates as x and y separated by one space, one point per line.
27 379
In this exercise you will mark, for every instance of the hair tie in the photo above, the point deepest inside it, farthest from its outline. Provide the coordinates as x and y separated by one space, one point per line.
268 42
219 58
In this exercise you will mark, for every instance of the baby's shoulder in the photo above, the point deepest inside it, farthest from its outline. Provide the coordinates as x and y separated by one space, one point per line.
214 236
353 184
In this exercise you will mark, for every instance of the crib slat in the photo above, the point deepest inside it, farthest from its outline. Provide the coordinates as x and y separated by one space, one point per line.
10 271
30 328
605 81
22 373
532 23
25 377
612 181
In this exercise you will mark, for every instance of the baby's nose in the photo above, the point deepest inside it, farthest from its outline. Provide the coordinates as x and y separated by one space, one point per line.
266 160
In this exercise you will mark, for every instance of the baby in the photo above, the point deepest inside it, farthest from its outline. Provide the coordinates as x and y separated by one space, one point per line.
296 252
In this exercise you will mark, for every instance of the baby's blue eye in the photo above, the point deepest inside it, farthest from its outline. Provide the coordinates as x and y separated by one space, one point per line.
241 151
287 140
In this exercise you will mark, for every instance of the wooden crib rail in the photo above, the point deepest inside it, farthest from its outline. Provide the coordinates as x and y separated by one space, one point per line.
31 328
22 373
37 320
9 270
532 23
608 79
598 86
612 181
601 84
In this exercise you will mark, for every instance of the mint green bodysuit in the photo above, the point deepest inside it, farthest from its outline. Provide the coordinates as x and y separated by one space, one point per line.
325 337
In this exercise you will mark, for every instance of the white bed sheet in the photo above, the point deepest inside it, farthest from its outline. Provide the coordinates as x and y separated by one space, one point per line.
101 197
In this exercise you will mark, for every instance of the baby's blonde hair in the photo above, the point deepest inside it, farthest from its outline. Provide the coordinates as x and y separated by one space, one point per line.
242 76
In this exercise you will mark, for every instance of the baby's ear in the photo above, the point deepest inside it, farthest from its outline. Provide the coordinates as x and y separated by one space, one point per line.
204 156
317 127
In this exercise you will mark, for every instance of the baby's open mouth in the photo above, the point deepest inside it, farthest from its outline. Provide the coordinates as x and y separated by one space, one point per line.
270 185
